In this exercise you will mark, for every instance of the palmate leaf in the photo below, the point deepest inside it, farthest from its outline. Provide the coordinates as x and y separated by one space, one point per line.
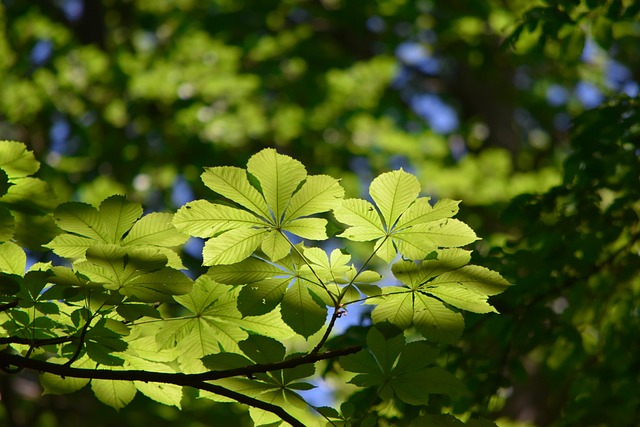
402 222
303 285
117 221
400 370
284 199
431 287
139 272
215 324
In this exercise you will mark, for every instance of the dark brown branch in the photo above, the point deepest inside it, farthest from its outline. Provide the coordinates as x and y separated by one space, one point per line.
238 397
7 360
190 380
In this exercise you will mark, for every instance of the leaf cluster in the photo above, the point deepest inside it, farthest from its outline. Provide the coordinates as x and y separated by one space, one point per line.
122 301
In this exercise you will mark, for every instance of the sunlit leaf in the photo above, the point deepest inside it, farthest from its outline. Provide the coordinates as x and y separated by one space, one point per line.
13 260
232 246
279 177
232 183
393 192
319 193
118 215
205 219
116 394
16 160
7 224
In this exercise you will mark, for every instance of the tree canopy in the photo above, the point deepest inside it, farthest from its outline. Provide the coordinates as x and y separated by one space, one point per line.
427 209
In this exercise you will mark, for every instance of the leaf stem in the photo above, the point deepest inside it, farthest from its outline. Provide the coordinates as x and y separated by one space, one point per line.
337 305
333 299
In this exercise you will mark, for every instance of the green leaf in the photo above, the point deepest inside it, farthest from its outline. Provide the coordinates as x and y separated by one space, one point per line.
81 219
422 211
232 246
319 193
215 324
436 321
7 224
70 245
468 288
263 296
263 349
281 201
364 221
403 223
54 384
16 160
308 228
275 245
118 215
116 394
13 260
205 219
158 285
30 195
393 192
232 183
396 308
400 370
247 271
279 177
302 312
430 283
155 229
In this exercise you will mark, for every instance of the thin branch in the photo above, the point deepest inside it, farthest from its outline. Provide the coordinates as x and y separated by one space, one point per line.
198 381
83 334
333 299
336 309
7 360
238 397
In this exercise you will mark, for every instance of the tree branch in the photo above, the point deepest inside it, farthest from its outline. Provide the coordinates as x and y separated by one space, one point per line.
190 380
7 359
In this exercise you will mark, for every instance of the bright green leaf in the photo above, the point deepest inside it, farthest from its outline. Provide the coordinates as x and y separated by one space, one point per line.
155 229
13 260
279 177
393 192
205 219
319 193
54 384
116 394
7 224
364 221
16 160
118 215
232 246
232 183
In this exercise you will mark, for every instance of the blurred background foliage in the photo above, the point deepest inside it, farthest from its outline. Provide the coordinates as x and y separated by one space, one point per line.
526 111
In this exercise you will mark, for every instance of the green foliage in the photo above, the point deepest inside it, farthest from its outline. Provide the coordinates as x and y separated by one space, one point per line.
260 288
539 102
